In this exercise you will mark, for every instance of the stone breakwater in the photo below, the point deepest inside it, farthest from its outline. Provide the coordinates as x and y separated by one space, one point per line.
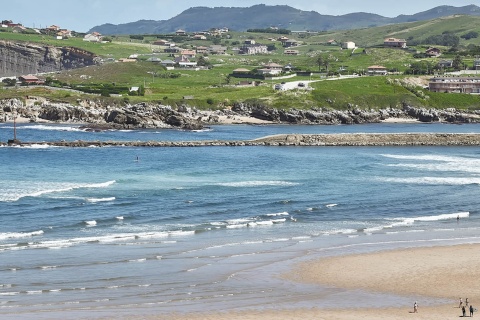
304 140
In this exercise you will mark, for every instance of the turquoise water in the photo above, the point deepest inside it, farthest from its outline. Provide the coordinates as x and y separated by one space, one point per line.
97 232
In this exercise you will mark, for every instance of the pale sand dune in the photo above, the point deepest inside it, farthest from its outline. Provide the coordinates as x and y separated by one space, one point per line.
443 272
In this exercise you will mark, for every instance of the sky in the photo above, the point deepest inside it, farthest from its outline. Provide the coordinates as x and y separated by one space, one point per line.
83 15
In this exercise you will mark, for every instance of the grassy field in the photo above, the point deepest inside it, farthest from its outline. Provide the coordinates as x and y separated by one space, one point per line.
214 88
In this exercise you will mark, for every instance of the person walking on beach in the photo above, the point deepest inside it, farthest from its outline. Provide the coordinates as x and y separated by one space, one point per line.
460 303
466 302
463 311
471 311
415 307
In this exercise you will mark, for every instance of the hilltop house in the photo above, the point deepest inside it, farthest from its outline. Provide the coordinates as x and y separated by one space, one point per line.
217 49
199 37
291 43
254 49
291 52
377 71
201 50
19 29
93 37
188 53
184 62
162 42
29 79
433 52
395 43
181 32
348 45
445 64
476 64
271 69
470 85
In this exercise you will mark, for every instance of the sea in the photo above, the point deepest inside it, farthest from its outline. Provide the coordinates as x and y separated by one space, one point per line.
119 232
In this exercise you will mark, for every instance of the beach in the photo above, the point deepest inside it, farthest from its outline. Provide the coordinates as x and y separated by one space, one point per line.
258 232
441 272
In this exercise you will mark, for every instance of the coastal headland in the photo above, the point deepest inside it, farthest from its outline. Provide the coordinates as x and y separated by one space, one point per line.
299 140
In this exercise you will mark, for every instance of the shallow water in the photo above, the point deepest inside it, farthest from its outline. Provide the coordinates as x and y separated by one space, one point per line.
198 229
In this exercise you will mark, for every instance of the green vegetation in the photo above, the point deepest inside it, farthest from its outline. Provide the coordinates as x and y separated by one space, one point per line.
215 86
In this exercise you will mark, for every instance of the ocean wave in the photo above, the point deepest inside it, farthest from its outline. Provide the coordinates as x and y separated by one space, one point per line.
440 167
35 146
406 222
42 127
94 200
428 157
437 163
277 214
20 235
455 181
17 190
252 184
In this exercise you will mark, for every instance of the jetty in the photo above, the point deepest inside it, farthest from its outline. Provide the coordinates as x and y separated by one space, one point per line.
292 140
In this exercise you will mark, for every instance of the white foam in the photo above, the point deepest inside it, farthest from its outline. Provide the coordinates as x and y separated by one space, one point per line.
15 190
236 226
277 214
94 200
49 128
331 205
119 218
181 233
434 180
250 184
20 235
405 222
264 223
91 223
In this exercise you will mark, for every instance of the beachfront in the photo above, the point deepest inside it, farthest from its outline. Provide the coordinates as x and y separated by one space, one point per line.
441 272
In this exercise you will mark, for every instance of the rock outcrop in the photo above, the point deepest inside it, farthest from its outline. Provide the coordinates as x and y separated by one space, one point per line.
153 115
23 58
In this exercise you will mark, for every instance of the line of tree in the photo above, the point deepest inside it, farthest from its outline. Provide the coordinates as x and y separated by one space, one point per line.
447 39
270 30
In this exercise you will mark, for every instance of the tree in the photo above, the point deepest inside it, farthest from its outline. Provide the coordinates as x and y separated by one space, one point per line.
9 82
470 35
457 62
324 61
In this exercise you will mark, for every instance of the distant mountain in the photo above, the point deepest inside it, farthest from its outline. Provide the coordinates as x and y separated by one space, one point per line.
263 16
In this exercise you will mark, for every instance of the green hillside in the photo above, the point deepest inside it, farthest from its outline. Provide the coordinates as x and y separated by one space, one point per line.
458 25
215 87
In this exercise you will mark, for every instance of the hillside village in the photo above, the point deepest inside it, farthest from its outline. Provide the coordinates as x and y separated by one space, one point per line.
278 59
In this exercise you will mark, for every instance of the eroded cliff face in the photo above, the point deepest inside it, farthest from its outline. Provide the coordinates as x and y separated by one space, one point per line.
23 58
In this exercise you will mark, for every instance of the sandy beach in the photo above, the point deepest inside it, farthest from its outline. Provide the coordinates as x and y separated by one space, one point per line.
441 272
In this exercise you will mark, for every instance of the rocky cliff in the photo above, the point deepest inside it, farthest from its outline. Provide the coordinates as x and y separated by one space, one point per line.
22 58
152 115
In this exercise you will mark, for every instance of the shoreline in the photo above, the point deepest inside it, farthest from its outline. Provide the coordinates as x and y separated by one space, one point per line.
447 272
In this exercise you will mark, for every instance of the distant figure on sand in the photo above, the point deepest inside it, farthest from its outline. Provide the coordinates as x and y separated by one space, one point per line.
415 307
466 302
463 311
460 303
471 311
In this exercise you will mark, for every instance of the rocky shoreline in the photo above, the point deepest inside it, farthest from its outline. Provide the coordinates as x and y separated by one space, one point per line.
302 140
97 117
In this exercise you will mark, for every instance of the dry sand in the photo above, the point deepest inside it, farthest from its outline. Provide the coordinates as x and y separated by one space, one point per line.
443 272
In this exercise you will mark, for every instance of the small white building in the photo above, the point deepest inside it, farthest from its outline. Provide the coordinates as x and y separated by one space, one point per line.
348 45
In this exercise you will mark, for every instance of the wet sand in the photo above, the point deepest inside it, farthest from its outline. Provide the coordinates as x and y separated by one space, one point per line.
424 273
